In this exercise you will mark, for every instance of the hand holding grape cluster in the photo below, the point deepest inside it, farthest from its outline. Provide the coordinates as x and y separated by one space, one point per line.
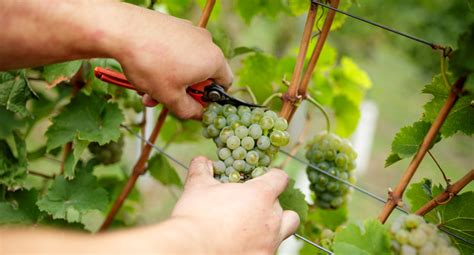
247 140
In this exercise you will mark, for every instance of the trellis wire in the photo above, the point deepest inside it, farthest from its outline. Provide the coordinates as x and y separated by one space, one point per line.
363 191
432 45
312 243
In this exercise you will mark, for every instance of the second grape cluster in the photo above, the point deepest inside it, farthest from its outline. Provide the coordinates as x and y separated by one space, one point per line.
247 140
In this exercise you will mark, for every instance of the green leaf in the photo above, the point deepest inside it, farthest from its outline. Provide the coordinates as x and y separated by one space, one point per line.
162 171
462 59
15 91
95 84
461 116
244 50
293 199
20 208
180 130
86 118
57 73
70 165
258 71
328 218
347 115
9 122
298 7
13 162
73 200
420 193
248 9
371 238
407 141
339 20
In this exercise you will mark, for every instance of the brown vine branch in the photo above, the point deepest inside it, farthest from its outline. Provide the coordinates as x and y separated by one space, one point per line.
138 169
42 175
318 48
143 127
448 194
395 196
291 98
140 166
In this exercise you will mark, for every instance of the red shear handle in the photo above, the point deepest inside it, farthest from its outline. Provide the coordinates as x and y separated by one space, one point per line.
119 79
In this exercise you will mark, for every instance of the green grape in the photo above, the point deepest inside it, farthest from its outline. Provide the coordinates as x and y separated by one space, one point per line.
218 142
239 165
109 153
271 114
248 168
246 119
224 179
241 132
220 122
330 155
258 172
333 186
224 153
234 176
272 150
233 142
255 131
417 238
243 109
229 170
323 166
336 202
219 167
235 125
256 117
412 221
225 133
229 161
212 131
204 133
281 124
263 142
266 122
252 157
247 142
232 118
228 110
277 138
239 153
264 161
340 160
313 176
214 107
323 181
208 117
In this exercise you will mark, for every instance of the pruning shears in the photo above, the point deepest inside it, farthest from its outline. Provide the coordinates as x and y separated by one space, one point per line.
203 92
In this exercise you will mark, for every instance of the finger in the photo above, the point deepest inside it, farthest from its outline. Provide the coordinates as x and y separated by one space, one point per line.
200 173
274 182
289 224
185 107
148 101
223 75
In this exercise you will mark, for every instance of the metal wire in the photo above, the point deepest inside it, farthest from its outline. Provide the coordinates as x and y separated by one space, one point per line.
313 243
432 45
363 191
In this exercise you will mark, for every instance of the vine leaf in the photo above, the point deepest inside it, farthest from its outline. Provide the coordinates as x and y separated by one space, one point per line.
248 9
347 115
73 200
57 73
293 199
258 71
94 84
163 171
20 209
457 216
72 159
9 122
15 91
86 118
13 162
461 116
407 141
462 59
329 218
370 238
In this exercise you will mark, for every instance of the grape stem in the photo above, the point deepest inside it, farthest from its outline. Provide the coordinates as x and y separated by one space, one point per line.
271 97
446 179
249 92
395 197
448 194
321 108
443 66
46 176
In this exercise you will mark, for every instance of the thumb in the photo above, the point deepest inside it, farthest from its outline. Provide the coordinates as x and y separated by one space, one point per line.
289 224
200 173
186 107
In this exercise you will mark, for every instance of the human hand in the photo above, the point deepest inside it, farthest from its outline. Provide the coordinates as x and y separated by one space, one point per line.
163 55
233 217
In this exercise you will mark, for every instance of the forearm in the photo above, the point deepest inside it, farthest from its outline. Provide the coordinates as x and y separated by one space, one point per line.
170 237
41 32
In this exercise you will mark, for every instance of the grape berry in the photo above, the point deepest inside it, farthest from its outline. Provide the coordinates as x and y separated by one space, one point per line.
335 156
247 140
410 234
109 153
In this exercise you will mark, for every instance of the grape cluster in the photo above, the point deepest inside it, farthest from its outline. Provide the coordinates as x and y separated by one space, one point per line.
334 155
109 153
410 234
247 140
327 238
